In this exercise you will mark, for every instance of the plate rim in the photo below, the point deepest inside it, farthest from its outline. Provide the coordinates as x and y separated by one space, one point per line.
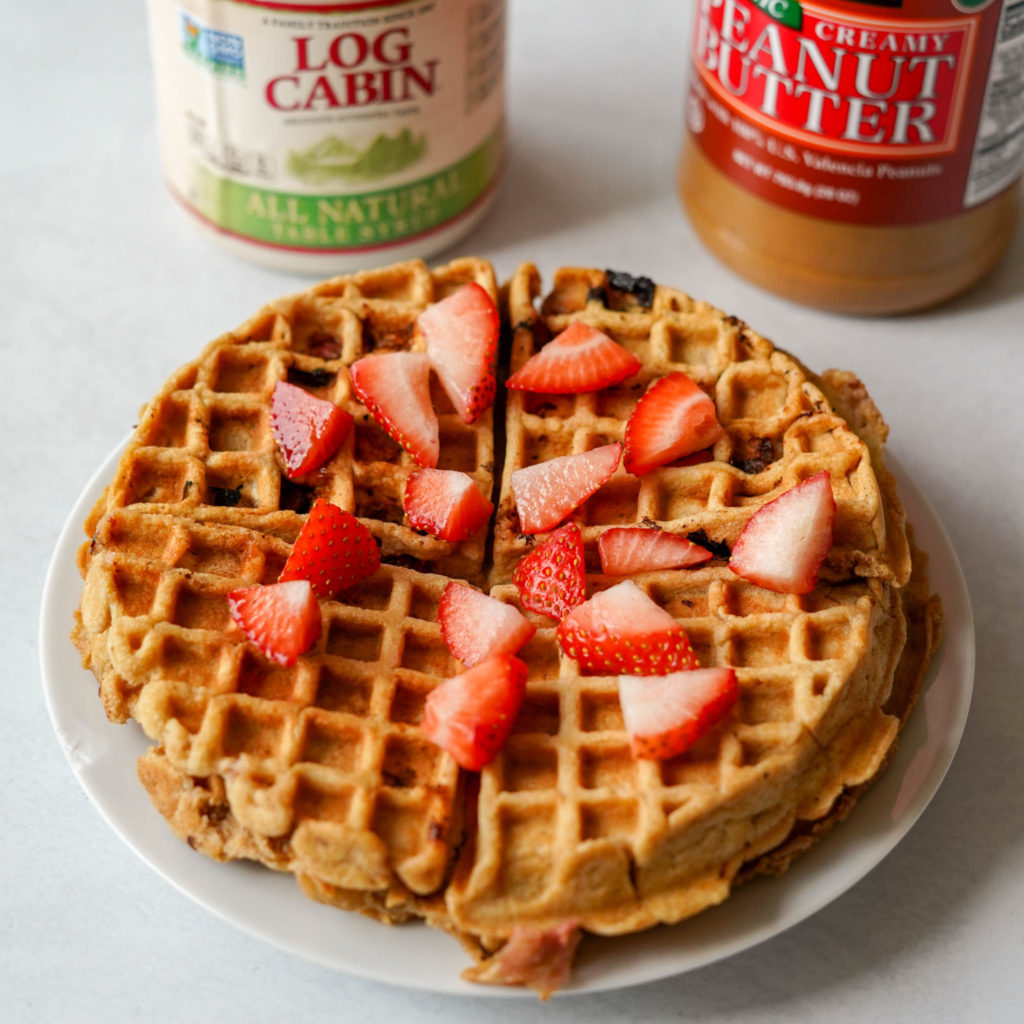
95 748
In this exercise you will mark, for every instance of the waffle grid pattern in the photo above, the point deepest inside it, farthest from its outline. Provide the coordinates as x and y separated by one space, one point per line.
205 442
570 825
326 752
323 763
779 427
321 769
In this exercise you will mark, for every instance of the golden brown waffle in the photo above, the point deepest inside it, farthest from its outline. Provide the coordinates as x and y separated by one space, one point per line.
570 826
323 762
323 758
780 427
922 611
597 789
320 769
204 444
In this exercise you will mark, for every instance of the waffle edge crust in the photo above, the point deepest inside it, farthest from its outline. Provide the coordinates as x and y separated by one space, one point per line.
320 769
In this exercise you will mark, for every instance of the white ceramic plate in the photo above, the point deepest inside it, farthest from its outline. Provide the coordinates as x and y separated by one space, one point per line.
271 906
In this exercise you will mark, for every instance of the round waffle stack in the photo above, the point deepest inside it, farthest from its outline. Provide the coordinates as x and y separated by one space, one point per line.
321 768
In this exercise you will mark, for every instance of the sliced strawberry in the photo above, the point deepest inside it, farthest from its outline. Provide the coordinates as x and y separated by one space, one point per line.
666 714
623 630
785 541
461 332
581 358
551 579
471 715
476 627
540 957
395 387
696 459
281 619
445 503
549 491
625 550
308 430
673 418
333 550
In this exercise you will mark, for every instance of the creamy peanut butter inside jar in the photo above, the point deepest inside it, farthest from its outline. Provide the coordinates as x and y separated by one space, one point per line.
860 156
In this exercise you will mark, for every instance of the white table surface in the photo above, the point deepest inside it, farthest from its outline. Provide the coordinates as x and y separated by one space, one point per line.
108 287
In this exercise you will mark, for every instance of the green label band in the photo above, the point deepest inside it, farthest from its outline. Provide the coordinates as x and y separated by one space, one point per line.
785 12
353 220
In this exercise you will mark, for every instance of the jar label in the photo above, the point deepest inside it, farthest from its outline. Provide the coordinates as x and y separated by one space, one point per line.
862 111
330 127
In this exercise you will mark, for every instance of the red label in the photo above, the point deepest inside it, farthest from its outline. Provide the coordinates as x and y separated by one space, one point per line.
840 113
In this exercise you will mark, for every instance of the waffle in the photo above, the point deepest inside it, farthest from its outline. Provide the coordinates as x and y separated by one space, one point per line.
570 826
322 762
780 427
320 769
204 448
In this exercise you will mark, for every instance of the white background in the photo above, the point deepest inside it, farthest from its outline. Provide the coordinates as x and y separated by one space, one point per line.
107 287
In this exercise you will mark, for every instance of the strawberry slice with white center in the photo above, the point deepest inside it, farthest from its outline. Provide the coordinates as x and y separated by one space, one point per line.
673 418
626 550
622 630
551 579
395 387
308 430
550 491
666 714
461 332
332 551
471 715
281 619
581 358
445 503
785 541
476 626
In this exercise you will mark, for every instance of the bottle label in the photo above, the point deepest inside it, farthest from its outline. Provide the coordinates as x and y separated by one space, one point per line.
874 112
330 127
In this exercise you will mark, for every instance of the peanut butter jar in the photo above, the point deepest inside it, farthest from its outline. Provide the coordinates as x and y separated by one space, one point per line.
860 156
